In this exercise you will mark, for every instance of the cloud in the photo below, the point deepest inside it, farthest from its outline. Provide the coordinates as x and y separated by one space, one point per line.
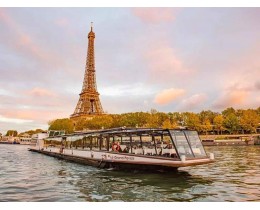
12 120
194 101
40 92
25 44
257 85
134 89
168 95
42 116
231 98
155 15
164 64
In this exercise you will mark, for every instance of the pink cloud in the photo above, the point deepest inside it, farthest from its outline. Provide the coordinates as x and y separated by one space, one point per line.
168 95
155 15
164 64
22 41
36 115
239 85
41 92
231 98
194 101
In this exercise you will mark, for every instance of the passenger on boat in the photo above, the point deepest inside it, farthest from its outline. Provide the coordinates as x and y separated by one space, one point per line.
126 150
116 147
62 148
169 146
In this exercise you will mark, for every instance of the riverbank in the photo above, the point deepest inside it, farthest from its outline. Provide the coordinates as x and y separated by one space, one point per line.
236 140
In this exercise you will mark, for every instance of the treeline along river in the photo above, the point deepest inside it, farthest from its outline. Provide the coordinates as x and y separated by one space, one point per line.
29 176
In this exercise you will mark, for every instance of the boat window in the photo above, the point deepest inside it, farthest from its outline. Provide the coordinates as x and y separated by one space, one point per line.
181 143
149 145
165 147
87 142
104 143
195 143
52 142
136 146
111 140
119 144
95 143
125 144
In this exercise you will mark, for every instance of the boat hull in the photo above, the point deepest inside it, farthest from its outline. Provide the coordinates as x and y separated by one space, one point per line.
119 161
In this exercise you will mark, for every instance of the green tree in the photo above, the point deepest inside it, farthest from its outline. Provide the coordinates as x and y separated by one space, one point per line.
231 123
62 124
228 111
207 115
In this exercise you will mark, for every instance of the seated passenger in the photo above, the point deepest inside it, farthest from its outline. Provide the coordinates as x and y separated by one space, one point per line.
169 146
126 150
116 147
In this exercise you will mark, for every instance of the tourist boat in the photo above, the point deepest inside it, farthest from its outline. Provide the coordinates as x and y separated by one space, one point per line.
128 148
40 136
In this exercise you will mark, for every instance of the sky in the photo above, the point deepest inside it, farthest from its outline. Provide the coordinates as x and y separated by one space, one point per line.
168 59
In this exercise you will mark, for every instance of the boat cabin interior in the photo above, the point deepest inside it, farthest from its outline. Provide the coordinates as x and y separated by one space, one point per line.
172 143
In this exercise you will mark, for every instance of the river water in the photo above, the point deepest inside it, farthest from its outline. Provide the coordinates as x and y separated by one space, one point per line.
29 176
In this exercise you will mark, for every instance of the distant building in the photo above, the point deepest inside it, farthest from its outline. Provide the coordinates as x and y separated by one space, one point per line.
11 139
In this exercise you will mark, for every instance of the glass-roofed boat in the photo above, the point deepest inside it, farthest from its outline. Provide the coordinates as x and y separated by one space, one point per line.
128 148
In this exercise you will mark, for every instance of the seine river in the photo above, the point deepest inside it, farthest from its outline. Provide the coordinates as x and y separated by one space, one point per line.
28 176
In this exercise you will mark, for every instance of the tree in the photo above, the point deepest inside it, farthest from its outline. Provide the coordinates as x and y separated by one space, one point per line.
249 120
80 124
11 133
206 126
231 123
153 121
228 111
204 115
167 124
218 123
192 121
100 122
62 124
179 118
31 132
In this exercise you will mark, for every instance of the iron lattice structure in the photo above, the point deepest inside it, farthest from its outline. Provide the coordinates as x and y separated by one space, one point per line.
89 103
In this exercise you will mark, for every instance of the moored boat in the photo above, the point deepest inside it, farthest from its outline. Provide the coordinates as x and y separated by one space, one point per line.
128 148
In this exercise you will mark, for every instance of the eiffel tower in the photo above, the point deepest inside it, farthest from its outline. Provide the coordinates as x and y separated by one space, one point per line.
89 104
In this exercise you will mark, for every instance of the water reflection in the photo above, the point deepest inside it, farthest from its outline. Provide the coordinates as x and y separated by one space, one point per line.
27 176
115 185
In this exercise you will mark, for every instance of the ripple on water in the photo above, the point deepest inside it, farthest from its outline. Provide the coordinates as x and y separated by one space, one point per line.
27 176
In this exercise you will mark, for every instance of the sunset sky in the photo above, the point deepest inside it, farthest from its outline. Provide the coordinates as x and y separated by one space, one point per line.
168 59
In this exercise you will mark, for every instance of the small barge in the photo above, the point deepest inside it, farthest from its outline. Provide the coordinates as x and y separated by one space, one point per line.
128 148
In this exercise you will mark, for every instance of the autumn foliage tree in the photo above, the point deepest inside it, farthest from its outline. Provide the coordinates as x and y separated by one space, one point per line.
11 133
62 124
230 120
249 120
